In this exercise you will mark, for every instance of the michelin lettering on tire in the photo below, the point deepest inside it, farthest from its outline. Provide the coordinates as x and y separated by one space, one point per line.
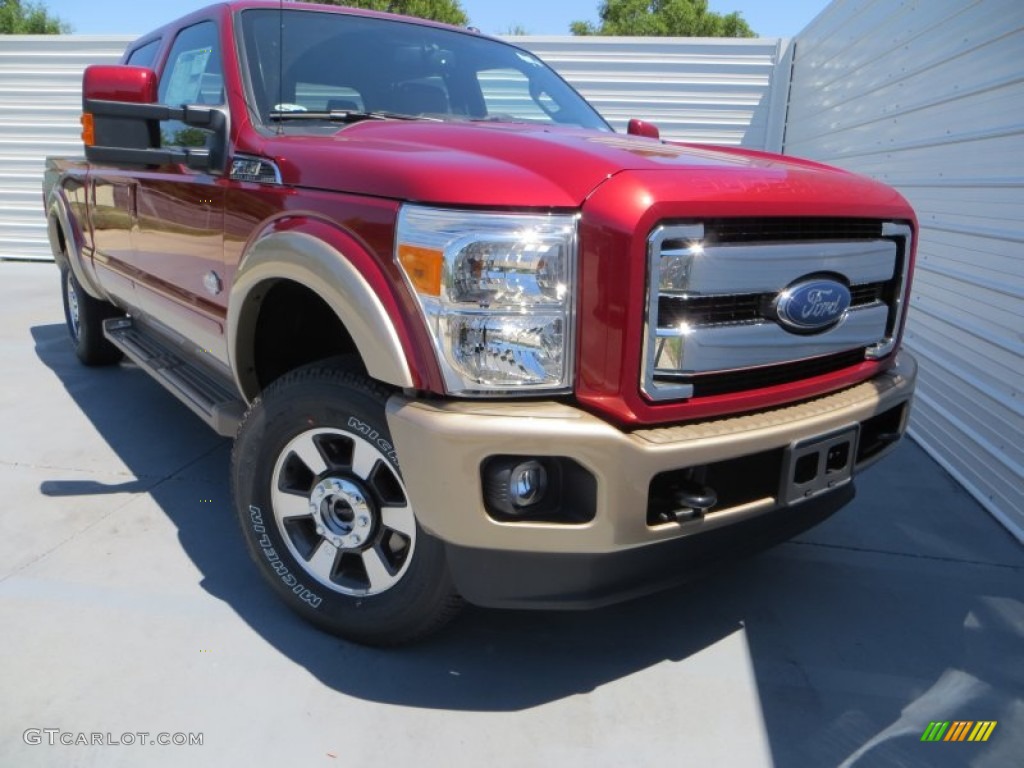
374 436
286 576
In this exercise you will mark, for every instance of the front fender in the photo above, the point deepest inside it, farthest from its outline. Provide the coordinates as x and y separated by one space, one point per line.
336 267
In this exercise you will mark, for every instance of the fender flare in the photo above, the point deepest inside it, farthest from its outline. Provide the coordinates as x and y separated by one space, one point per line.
57 216
304 256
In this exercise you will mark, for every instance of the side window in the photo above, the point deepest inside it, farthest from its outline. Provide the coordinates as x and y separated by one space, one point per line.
192 75
144 56
506 93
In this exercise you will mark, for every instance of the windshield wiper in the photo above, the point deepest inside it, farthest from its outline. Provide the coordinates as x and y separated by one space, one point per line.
339 116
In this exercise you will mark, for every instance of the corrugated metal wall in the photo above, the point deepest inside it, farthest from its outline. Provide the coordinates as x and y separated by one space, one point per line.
40 104
716 91
928 96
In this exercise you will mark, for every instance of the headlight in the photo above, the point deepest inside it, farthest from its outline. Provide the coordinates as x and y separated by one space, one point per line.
496 291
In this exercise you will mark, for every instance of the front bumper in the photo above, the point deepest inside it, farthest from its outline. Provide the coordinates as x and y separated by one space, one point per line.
442 445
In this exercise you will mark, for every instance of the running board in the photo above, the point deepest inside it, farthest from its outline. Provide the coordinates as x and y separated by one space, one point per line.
214 403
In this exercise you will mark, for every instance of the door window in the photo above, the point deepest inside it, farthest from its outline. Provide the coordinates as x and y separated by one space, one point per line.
192 75
144 56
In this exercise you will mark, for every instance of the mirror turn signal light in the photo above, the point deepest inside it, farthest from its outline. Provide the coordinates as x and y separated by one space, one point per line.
88 130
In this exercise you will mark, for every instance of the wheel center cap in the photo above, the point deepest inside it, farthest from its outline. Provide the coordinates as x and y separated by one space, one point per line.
341 512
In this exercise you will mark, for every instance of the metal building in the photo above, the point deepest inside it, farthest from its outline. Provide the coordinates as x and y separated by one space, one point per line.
40 106
935 107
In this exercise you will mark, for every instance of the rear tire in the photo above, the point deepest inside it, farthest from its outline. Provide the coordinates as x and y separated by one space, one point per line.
84 316
326 516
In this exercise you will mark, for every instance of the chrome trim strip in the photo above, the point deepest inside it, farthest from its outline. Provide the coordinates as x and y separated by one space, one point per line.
717 348
694 232
903 232
770 267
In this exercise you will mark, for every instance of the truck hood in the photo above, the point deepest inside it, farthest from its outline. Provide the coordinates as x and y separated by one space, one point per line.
497 165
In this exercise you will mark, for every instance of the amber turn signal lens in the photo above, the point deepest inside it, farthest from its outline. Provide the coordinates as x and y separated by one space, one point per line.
424 267
88 130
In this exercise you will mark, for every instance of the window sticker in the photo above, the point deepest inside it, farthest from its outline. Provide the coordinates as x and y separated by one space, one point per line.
187 76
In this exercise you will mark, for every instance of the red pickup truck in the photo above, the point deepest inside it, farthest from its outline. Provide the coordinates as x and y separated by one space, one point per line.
471 343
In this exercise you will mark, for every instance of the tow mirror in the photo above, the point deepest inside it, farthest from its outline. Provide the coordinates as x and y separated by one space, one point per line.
121 122
643 128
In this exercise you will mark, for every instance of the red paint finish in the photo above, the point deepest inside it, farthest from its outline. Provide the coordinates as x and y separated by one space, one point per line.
474 165
135 85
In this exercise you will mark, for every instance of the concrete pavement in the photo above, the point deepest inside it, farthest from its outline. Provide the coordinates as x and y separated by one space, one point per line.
128 605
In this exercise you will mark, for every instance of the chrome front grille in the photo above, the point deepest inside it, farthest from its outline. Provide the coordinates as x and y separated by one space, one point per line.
711 323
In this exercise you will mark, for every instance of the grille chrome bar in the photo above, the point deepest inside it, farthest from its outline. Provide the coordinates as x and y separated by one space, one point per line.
722 348
770 267
901 232
707 296
740 308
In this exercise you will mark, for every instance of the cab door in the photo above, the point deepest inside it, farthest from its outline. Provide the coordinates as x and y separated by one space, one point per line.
178 234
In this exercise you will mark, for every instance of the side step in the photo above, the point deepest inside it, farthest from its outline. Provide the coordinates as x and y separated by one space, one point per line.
215 403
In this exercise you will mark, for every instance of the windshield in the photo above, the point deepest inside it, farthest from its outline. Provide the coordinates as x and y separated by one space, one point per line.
339 63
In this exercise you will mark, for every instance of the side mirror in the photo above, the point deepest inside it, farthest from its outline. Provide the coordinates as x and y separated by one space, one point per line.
121 122
643 128
134 85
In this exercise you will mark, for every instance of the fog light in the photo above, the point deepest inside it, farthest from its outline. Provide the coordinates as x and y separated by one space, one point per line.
550 489
527 483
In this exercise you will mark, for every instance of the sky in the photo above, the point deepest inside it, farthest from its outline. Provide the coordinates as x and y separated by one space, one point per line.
769 18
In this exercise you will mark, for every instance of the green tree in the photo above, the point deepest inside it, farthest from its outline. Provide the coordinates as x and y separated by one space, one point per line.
447 11
18 18
663 18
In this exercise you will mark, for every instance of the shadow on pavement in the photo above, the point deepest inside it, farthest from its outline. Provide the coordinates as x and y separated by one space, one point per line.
853 649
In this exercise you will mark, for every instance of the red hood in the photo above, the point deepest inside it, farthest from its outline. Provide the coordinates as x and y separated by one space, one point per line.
492 165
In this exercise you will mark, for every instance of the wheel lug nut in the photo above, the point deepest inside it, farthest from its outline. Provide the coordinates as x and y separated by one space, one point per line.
364 521
320 530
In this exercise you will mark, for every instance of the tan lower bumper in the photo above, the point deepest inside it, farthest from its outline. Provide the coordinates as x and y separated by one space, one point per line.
441 446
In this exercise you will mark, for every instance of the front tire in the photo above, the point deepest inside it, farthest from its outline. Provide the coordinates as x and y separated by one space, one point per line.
325 513
84 316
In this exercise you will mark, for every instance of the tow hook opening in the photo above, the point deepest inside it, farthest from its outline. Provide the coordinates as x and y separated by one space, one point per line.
694 499
688 494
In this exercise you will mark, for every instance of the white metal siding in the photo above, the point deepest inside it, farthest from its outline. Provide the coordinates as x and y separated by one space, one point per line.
40 106
928 96
711 90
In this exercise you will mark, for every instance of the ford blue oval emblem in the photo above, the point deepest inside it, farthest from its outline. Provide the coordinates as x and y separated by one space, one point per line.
812 305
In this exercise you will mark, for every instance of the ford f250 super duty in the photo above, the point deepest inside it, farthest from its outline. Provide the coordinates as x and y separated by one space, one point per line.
472 344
